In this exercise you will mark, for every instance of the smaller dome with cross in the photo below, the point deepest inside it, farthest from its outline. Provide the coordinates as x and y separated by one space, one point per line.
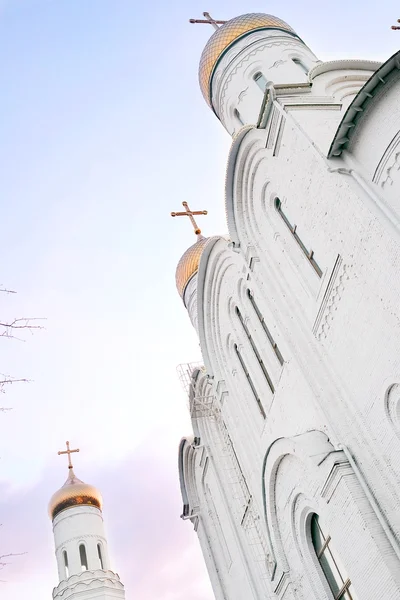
189 264
74 492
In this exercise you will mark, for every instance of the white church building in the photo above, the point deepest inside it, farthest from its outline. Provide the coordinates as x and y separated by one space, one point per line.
80 542
291 478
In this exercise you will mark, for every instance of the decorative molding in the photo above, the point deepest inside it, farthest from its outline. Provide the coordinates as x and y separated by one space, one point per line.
81 537
279 136
273 124
87 580
332 296
392 405
277 63
340 469
388 161
242 94
220 105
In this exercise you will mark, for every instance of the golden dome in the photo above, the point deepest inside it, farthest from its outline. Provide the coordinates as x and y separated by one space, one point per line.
189 264
225 35
74 493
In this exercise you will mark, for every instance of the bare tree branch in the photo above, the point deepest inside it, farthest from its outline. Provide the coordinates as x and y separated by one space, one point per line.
20 323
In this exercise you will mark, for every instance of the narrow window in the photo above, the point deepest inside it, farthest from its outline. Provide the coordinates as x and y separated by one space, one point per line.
256 352
83 557
253 389
330 562
237 116
300 64
100 556
260 81
293 229
66 569
264 326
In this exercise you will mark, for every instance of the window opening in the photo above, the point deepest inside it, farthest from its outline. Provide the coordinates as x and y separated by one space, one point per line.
237 116
264 326
330 562
256 352
247 374
300 64
260 81
100 556
83 557
293 229
66 568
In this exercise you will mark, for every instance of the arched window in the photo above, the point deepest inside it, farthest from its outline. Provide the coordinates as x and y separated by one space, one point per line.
83 557
264 326
100 556
260 81
66 569
237 116
300 64
249 379
330 562
255 350
293 230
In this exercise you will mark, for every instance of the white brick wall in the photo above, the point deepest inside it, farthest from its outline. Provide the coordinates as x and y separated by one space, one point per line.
339 335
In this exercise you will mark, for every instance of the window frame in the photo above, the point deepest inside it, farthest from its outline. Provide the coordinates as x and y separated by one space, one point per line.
299 63
267 332
341 579
250 381
66 564
83 557
100 555
261 81
309 254
255 350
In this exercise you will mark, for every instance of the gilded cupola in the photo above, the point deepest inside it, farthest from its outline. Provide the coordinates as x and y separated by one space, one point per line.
226 35
74 492
189 264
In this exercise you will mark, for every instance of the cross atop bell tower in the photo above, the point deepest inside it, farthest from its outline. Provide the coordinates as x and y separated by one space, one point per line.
208 20
68 452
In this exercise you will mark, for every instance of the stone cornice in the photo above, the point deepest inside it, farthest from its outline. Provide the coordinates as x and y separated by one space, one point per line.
364 98
86 581
336 65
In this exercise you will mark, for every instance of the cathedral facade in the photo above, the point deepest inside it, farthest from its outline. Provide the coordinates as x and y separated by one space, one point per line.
291 478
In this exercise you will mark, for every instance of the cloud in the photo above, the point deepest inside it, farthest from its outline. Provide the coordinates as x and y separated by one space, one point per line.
155 553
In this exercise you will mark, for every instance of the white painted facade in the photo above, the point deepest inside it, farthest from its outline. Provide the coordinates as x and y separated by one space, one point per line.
81 551
296 411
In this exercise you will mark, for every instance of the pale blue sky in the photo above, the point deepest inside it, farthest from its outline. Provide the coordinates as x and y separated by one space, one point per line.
104 131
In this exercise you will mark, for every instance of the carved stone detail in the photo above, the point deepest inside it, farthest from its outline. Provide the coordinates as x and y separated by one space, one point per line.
329 305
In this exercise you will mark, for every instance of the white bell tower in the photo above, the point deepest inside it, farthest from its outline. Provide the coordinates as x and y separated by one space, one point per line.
80 542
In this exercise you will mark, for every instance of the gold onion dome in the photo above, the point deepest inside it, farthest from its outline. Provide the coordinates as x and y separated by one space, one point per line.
225 36
74 492
189 264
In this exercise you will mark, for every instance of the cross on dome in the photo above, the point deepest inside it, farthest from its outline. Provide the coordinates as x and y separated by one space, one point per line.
208 20
189 213
69 452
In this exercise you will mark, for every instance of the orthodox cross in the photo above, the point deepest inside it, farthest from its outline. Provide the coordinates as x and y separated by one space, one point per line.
396 26
190 213
69 452
208 19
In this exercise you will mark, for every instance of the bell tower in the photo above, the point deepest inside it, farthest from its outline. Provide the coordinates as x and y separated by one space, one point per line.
80 542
